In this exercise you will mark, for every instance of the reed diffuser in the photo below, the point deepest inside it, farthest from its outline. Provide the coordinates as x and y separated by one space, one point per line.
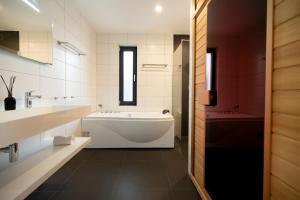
9 101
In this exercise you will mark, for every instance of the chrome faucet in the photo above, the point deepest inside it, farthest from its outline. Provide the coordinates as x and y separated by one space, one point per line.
12 150
29 97
165 111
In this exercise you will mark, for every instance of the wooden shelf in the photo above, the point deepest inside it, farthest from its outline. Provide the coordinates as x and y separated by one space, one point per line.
21 179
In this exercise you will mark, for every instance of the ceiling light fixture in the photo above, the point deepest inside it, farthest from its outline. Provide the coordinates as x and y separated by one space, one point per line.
158 8
33 4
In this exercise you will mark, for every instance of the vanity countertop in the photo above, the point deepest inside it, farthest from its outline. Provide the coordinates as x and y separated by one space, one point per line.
20 124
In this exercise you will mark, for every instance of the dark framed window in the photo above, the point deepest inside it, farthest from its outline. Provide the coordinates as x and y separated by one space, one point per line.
128 76
211 69
211 75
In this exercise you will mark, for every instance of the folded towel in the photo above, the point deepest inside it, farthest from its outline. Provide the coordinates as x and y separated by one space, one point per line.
61 140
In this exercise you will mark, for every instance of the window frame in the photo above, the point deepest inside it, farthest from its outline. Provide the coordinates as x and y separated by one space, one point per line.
121 76
213 94
213 77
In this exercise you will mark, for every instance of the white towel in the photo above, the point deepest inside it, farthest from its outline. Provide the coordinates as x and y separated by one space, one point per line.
61 140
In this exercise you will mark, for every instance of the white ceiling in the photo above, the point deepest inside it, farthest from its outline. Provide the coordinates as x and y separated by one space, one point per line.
136 16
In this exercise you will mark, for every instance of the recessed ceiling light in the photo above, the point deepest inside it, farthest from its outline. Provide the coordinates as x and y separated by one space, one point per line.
158 8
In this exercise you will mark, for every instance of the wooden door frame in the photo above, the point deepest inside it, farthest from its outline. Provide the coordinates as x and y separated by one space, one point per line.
268 98
195 11
268 101
191 88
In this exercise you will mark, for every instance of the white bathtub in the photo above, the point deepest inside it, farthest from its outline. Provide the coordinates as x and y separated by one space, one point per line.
130 130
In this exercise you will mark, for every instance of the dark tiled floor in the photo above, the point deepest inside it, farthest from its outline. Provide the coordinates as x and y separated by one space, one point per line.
121 174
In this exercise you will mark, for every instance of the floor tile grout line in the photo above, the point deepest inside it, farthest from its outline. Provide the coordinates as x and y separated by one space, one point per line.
68 178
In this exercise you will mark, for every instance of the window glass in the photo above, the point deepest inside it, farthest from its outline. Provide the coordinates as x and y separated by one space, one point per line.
209 71
128 76
128 73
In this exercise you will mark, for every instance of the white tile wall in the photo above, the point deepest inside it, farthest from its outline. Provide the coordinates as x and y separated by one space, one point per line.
69 75
154 89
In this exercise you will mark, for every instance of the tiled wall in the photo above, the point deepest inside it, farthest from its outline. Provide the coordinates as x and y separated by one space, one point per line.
154 88
70 75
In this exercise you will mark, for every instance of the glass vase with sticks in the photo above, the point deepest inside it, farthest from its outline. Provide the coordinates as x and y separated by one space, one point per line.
9 101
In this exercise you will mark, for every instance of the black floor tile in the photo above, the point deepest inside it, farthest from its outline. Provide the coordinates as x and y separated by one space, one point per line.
177 174
108 154
121 174
95 175
185 195
143 155
83 155
57 180
172 154
40 195
142 175
183 184
143 195
82 195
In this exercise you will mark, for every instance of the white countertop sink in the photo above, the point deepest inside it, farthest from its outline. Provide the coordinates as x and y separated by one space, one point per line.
17 125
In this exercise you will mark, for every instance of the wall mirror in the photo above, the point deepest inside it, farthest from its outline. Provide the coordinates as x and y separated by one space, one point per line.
26 30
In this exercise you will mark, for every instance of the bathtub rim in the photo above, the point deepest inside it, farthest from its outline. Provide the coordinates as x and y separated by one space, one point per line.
127 119
161 117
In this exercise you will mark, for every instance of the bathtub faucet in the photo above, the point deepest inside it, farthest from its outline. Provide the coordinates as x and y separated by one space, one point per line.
165 111
100 106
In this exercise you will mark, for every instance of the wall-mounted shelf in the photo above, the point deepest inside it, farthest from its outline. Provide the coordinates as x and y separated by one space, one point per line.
154 67
71 47
21 179
20 124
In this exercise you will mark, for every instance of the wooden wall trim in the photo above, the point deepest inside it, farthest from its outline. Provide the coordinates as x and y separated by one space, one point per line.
197 176
192 87
203 193
200 8
268 100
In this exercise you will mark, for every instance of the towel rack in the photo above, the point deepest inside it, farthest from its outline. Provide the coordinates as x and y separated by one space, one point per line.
154 67
71 48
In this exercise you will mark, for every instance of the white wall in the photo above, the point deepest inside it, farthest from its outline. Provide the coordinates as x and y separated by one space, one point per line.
154 88
70 75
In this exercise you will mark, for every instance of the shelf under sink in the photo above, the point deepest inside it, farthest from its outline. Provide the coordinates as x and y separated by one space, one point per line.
24 176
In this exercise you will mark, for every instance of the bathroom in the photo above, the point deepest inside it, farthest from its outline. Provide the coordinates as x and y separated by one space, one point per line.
147 99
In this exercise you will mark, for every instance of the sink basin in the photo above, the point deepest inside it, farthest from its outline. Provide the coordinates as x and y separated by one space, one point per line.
17 125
